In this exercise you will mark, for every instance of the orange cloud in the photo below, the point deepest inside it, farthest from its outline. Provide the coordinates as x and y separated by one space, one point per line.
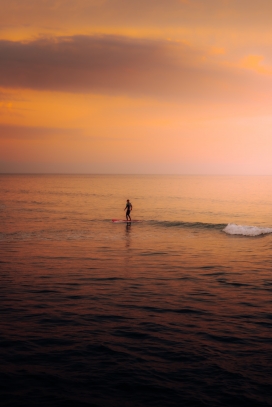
118 65
255 63
31 133
134 11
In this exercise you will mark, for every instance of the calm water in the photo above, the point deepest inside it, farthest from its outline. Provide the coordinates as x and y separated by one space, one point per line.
173 311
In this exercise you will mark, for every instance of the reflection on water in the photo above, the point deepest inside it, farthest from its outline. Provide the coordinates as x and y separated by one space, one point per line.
128 230
168 312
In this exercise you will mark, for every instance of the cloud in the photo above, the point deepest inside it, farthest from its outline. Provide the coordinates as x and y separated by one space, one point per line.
12 132
119 65
256 63
56 13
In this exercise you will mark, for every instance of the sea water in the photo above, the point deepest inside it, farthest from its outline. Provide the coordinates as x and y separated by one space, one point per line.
173 311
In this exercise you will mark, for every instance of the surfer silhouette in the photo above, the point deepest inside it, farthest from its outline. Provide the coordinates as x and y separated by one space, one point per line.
128 209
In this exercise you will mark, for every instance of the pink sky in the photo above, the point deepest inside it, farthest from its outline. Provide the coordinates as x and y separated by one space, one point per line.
115 86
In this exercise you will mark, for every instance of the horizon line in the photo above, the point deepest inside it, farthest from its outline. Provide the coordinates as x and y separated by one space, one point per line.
135 174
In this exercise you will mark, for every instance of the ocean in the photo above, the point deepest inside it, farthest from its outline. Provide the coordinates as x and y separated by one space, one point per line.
175 310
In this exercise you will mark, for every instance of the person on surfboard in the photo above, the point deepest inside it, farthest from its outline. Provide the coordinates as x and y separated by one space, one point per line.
129 209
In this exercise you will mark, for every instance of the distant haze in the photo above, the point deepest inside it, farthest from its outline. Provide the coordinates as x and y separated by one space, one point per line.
114 86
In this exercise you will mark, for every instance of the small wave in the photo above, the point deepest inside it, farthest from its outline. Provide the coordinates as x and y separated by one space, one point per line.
199 225
233 229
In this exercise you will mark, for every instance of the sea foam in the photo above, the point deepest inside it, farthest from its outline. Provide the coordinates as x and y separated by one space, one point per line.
233 229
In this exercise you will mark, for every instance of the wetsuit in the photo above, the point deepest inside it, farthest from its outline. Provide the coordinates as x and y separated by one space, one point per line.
128 206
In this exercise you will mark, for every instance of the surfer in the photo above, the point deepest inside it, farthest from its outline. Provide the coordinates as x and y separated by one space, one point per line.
129 209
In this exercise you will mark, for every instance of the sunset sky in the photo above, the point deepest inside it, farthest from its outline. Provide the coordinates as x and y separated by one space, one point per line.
126 86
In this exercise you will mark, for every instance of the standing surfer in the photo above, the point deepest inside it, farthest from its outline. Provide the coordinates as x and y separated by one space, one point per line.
129 209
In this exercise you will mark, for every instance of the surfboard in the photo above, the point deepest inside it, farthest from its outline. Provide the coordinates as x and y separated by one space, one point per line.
125 221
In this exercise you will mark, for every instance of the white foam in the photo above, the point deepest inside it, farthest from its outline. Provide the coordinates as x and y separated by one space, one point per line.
233 229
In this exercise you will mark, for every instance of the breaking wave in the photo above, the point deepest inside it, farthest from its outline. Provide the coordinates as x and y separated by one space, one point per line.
233 229
230 228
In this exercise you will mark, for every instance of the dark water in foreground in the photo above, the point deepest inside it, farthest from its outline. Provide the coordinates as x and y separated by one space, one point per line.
173 311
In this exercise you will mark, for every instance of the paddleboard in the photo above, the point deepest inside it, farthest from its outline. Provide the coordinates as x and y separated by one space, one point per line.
125 221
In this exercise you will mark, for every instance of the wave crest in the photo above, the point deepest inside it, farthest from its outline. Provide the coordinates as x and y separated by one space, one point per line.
233 229
193 225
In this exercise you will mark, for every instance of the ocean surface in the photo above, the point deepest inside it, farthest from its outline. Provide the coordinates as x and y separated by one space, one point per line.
175 310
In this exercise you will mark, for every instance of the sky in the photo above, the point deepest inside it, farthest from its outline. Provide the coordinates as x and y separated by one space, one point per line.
136 87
